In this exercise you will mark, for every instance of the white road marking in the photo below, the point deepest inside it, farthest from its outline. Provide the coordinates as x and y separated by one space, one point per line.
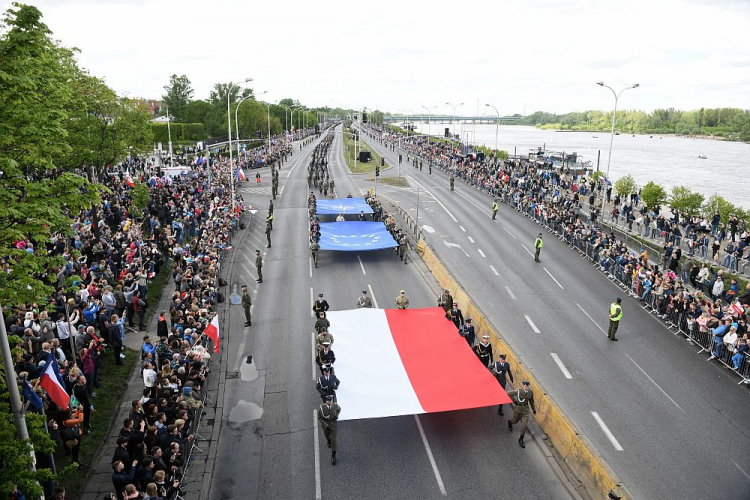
462 229
430 456
654 382
607 432
553 278
527 250
477 206
281 191
372 296
510 292
247 269
494 271
318 494
481 253
311 267
241 348
293 167
455 245
471 239
531 324
741 469
506 230
434 197
560 365
361 265
312 303
592 319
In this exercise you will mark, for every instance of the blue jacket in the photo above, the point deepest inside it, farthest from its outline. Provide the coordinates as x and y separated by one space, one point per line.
720 331
90 313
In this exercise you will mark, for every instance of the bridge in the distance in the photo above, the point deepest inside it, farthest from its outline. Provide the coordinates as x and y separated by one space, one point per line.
450 118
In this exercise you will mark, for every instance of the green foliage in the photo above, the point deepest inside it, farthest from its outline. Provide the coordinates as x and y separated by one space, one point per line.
731 123
625 185
180 132
653 194
716 203
178 93
596 175
685 201
140 196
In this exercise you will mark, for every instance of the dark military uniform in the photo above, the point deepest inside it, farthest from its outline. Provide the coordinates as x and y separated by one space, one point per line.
446 301
320 305
321 324
455 315
325 357
315 248
327 385
452 182
269 228
501 370
467 332
484 352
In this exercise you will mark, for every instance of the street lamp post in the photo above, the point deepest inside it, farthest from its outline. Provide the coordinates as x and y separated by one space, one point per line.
229 132
454 120
169 130
268 121
614 114
291 116
429 121
497 124
237 123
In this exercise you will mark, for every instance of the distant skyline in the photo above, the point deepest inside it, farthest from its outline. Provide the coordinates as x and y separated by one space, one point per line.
539 55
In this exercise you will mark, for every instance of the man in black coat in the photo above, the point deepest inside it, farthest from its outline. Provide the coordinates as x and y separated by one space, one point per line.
501 370
327 384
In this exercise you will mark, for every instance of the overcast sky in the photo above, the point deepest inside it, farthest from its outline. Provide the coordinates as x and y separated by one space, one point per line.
402 55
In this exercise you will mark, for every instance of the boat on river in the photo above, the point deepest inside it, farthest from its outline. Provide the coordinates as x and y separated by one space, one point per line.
703 157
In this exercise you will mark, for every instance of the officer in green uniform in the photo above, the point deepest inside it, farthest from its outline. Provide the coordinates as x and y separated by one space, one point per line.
274 187
269 228
259 265
522 398
328 416
323 337
615 315
538 245
314 248
495 208
270 206
269 219
246 303
446 300
453 181
403 245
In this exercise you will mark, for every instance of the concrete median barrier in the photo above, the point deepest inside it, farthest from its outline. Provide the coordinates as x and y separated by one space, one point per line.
577 451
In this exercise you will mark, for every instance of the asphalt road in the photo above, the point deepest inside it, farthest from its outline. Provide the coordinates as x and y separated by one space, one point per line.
273 455
676 426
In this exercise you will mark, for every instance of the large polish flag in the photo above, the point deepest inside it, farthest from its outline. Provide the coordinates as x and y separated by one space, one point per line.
406 362
212 332
51 381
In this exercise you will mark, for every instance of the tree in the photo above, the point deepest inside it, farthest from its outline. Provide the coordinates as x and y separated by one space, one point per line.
38 194
685 201
197 111
625 185
179 93
653 194
716 203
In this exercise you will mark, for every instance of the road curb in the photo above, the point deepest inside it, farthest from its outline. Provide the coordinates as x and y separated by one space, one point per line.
574 447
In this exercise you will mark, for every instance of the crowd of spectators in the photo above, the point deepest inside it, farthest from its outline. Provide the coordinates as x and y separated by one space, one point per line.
695 296
112 256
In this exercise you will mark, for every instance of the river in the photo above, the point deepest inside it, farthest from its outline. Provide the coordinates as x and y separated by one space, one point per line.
667 160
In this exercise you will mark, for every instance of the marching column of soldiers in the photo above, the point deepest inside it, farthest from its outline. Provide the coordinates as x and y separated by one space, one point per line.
317 171
327 383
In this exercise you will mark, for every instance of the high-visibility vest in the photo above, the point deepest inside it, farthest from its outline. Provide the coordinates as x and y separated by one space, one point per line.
615 312
494 207
538 243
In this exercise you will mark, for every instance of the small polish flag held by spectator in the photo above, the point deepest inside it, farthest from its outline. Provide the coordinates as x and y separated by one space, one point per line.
129 181
241 174
212 332
51 381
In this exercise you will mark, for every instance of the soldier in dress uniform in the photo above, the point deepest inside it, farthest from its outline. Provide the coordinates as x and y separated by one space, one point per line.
455 315
314 249
246 304
467 332
320 305
446 300
323 336
522 398
327 383
501 370
328 416
402 301
364 300
325 356
483 350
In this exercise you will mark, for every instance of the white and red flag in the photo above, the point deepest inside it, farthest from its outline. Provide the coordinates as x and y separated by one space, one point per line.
212 332
52 382
406 362
129 180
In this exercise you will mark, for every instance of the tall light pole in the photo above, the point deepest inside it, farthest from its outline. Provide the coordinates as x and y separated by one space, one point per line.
454 119
237 123
497 124
268 121
169 129
614 114
229 131
291 116
429 121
